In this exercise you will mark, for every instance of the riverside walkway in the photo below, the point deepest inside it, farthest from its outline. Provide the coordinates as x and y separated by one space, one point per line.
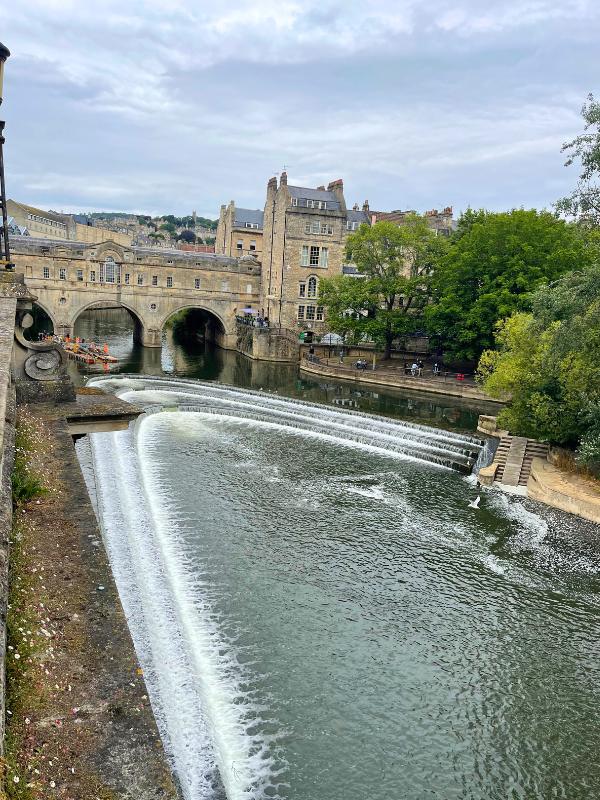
393 375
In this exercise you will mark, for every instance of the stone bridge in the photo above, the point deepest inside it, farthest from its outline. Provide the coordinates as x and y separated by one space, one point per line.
152 284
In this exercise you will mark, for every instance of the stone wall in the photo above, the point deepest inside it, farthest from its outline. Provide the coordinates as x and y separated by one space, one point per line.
7 438
268 344
564 490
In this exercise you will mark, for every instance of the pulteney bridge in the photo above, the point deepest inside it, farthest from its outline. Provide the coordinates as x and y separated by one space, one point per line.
152 284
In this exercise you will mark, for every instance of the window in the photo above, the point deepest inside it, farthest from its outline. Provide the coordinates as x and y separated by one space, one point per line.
62 274
312 286
127 277
294 201
93 275
111 271
139 258
155 280
152 306
301 312
169 281
240 244
302 290
79 274
314 256
169 262
252 225
196 283
248 288
310 312
224 286
252 245
140 279
320 313
352 226
46 272
316 204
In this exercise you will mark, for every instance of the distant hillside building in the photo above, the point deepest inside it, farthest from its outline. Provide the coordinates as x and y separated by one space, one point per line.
239 231
51 225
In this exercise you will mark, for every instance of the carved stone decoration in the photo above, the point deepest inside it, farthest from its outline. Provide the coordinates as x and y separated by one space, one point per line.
38 368
43 366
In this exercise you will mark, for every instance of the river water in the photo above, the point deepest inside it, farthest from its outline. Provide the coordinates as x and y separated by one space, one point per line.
321 616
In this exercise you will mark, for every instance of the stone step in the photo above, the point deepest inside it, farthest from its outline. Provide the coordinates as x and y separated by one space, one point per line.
514 461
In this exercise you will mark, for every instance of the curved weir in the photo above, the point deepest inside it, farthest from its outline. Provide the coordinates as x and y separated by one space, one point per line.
319 613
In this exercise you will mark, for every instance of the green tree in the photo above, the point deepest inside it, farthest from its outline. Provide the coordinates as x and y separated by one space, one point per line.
187 236
490 271
386 300
156 237
584 202
169 227
547 362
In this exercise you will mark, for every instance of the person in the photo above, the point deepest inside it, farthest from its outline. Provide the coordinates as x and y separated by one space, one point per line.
311 350
414 370
436 368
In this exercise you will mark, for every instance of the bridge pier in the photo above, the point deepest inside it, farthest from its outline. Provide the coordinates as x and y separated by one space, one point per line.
64 329
147 337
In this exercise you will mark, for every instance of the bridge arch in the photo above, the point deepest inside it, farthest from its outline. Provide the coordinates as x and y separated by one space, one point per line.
200 307
138 322
195 319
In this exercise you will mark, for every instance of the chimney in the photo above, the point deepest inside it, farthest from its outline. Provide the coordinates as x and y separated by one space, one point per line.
320 188
339 184
272 184
355 207
283 179
366 206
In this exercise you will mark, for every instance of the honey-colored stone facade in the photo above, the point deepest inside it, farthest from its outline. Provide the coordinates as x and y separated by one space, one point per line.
236 238
69 277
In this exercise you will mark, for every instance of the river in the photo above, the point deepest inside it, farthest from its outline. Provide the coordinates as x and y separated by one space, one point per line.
318 612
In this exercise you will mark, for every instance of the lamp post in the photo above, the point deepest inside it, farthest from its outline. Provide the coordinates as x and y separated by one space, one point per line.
5 262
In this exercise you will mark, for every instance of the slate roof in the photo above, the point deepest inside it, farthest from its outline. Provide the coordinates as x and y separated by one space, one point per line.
39 211
312 194
252 215
358 216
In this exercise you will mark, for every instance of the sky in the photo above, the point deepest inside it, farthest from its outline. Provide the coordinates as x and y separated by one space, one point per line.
164 106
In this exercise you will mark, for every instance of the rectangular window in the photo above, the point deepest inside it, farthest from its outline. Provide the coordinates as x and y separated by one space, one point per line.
320 313
324 260
310 312
127 277
240 244
196 283
224 286
302 292
79 274
155 280
139 258
304 256
46 272
248 288
327 229
351 226
294 201
252 245
93 275
301 312
314 256
140 279
62 274
169 282
109 267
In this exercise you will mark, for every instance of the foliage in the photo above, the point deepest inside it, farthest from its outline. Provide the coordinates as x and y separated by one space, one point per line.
26 485
548 363
156 236
494 263
168 227
584 202
187 236
386 301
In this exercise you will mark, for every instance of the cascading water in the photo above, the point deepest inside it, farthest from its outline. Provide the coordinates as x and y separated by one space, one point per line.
320 615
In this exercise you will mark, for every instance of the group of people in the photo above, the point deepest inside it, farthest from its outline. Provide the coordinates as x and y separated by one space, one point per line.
417 367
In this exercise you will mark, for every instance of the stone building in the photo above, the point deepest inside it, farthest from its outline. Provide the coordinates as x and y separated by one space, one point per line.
441 221
50 225
239 232
304 239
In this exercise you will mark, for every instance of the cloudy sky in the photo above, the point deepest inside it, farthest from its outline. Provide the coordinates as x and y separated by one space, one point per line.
167 106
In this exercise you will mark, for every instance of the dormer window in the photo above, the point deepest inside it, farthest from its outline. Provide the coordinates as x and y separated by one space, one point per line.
294 201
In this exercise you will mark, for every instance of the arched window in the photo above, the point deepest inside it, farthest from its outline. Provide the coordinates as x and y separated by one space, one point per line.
312 287
110 272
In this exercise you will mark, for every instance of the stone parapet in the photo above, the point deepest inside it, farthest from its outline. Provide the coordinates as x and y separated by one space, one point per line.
560 489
